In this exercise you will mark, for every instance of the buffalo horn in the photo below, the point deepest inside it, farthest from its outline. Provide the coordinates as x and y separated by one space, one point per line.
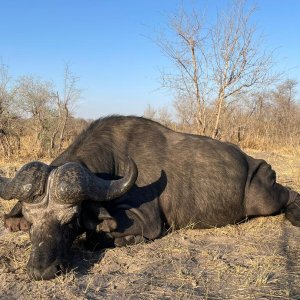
119 187
28 181
72 183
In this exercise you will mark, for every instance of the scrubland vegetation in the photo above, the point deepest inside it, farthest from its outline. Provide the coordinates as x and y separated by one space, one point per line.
37 122
264 121
225 84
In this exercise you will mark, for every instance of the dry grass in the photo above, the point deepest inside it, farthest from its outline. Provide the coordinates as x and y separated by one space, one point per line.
258 259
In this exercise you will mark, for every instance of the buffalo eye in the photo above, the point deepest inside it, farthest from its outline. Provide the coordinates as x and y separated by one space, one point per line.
34 198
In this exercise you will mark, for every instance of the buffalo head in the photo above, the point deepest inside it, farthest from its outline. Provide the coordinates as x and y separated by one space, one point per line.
51 201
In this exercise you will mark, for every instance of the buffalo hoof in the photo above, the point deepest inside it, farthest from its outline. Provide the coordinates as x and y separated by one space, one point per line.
129 240
293 210
16 224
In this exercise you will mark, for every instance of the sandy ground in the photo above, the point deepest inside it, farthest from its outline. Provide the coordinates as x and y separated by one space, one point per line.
259 259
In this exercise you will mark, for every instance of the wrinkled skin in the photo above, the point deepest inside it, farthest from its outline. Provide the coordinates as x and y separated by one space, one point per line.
53 229
51 242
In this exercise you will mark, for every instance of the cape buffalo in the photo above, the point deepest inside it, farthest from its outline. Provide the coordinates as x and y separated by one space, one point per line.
129 179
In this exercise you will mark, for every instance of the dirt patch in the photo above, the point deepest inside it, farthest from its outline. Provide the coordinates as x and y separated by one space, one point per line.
258 259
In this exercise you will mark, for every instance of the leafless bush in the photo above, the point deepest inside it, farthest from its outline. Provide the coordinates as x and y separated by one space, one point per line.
36 120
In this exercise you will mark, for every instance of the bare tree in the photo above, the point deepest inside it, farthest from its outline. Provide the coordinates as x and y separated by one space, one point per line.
65 102
150 112
9 137
283 98
239 65
187 52
5 94
34 118
161 115
185 109
34 100
5 97
213 64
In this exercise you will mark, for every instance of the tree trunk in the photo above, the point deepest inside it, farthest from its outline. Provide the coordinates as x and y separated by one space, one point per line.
62 133
218 116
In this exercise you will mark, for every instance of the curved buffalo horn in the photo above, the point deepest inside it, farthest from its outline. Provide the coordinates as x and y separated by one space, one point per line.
28 181
73 183
119 187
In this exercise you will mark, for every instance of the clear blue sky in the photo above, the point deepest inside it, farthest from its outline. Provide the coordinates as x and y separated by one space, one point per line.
106 45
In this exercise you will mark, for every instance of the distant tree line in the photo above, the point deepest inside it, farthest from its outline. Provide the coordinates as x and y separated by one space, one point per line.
269 119
36 120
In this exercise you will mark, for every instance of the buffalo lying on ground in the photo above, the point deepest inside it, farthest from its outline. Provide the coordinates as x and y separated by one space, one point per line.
128 179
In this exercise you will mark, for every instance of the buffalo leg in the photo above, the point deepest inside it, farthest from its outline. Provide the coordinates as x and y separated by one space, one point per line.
99 225
128 240
265 196
292 212
14 220
276 200
124 224
132 229
128 224
129 231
